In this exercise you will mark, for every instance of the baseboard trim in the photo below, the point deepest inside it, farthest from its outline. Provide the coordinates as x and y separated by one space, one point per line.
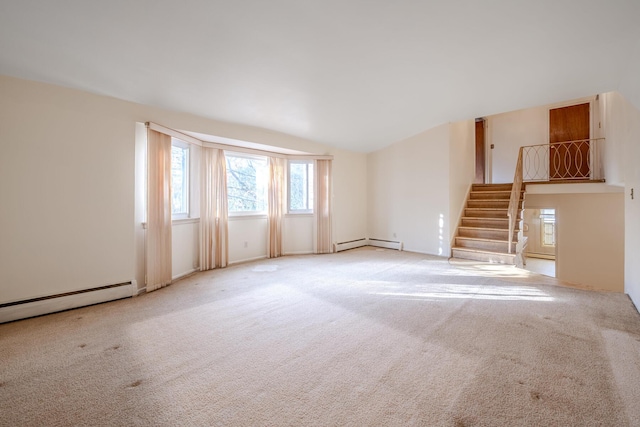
185 274
388 244
540 256
51 304
351 244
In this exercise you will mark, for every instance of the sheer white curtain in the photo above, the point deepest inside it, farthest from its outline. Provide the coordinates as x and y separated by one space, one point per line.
214 224
275 206
323 211
158 250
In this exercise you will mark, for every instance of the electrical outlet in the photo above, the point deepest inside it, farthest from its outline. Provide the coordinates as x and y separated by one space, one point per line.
394 235
246 244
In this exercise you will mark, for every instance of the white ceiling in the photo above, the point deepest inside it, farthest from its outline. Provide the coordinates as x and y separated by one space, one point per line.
358 74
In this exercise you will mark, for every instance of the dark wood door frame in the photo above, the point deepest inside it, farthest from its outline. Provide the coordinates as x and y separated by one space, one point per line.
480 152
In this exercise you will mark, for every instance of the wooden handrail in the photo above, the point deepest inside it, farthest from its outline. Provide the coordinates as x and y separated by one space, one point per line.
514 200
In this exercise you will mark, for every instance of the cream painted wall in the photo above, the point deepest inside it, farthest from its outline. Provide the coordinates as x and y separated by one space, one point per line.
510 131
630 84
614 107
185 245
408 192
247 238
349 197
590 237
462 168
625 125
69 219
632 210
66 191
297 234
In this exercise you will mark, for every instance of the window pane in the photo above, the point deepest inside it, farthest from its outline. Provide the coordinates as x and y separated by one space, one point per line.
179 180
548 234
301 186
298 181
246 184
548 222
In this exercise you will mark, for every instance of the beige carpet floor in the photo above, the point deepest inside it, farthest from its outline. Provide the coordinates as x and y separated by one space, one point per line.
361 338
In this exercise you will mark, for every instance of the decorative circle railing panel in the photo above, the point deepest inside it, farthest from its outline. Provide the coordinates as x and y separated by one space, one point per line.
558 161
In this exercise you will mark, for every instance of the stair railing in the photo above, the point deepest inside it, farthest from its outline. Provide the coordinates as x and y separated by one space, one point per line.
514 200
568 160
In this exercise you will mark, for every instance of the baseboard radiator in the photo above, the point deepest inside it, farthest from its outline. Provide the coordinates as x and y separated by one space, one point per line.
53 303
352 244
389 244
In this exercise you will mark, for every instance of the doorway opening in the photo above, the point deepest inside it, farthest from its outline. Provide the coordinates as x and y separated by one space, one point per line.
540 228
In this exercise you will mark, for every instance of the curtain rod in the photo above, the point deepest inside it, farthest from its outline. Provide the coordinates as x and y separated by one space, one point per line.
228 147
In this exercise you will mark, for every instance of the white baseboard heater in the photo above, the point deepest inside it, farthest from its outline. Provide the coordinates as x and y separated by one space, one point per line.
389 244
352 244
53 303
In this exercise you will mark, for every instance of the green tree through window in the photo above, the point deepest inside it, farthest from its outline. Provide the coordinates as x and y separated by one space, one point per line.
301 186
246 183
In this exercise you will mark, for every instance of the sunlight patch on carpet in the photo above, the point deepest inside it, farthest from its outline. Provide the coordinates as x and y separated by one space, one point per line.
487 270
454 291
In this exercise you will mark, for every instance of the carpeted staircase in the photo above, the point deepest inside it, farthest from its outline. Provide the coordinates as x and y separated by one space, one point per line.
484 229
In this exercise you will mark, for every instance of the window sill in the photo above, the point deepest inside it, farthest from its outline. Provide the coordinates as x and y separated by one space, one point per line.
298 214
237 217
178 222
181 221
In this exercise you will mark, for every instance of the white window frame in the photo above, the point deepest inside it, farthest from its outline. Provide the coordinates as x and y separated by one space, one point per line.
545 219
262 213
186 187
300 211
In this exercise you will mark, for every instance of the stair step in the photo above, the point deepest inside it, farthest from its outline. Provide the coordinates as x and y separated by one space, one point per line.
485 244
490 203
485 233
483 195
485 212
501 223
489 213
491 187
485 256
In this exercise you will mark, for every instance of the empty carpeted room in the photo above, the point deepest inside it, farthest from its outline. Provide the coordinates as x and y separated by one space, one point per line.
313 213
